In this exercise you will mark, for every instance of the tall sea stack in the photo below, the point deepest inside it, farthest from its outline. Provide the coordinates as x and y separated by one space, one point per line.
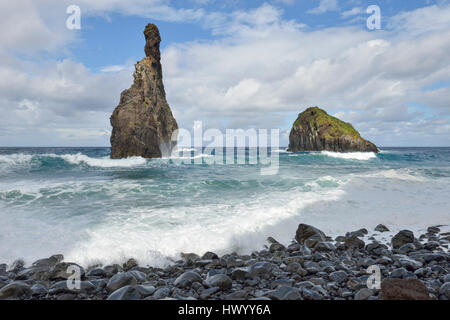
143 122
316 130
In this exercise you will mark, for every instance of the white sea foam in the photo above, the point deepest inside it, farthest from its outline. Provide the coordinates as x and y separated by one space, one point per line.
16 161
153 233
362 156
79 158
16 158
323 181
244 229
176 150
202 155
186 157
398 174
104 162
280 151
351 155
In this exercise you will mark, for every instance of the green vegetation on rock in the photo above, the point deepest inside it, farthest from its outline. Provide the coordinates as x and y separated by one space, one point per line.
320 120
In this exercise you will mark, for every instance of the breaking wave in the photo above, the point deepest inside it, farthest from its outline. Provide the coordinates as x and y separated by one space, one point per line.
105 162
18 158
82 159
363 156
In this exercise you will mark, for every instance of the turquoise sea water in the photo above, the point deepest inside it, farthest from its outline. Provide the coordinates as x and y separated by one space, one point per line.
78 202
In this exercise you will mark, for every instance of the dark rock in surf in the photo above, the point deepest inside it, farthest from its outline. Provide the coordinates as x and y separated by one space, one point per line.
305 232
143 123
401 238
381 228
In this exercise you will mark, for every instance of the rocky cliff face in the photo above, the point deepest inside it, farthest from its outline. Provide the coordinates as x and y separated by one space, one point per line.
143 122
315 130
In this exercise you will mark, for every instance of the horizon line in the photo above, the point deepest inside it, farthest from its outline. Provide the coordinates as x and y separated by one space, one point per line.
205 147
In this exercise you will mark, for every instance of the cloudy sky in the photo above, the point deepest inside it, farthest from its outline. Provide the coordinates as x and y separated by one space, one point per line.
230 63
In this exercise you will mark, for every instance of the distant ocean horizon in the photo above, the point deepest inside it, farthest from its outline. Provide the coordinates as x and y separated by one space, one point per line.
78 202
281 147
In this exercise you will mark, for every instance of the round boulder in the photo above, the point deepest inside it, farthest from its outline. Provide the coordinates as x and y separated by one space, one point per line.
401 238
120 280
305 232
381 228
15 290
222 281
403 289
187 278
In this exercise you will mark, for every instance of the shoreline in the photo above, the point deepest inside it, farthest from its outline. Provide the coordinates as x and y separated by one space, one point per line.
313 267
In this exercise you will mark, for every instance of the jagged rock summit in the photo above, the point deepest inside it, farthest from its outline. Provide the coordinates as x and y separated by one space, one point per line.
316 130
143 122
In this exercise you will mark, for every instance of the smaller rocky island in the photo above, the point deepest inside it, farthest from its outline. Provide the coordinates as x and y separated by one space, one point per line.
316 130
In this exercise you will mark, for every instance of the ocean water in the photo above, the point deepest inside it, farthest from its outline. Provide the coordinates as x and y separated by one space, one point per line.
78 202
